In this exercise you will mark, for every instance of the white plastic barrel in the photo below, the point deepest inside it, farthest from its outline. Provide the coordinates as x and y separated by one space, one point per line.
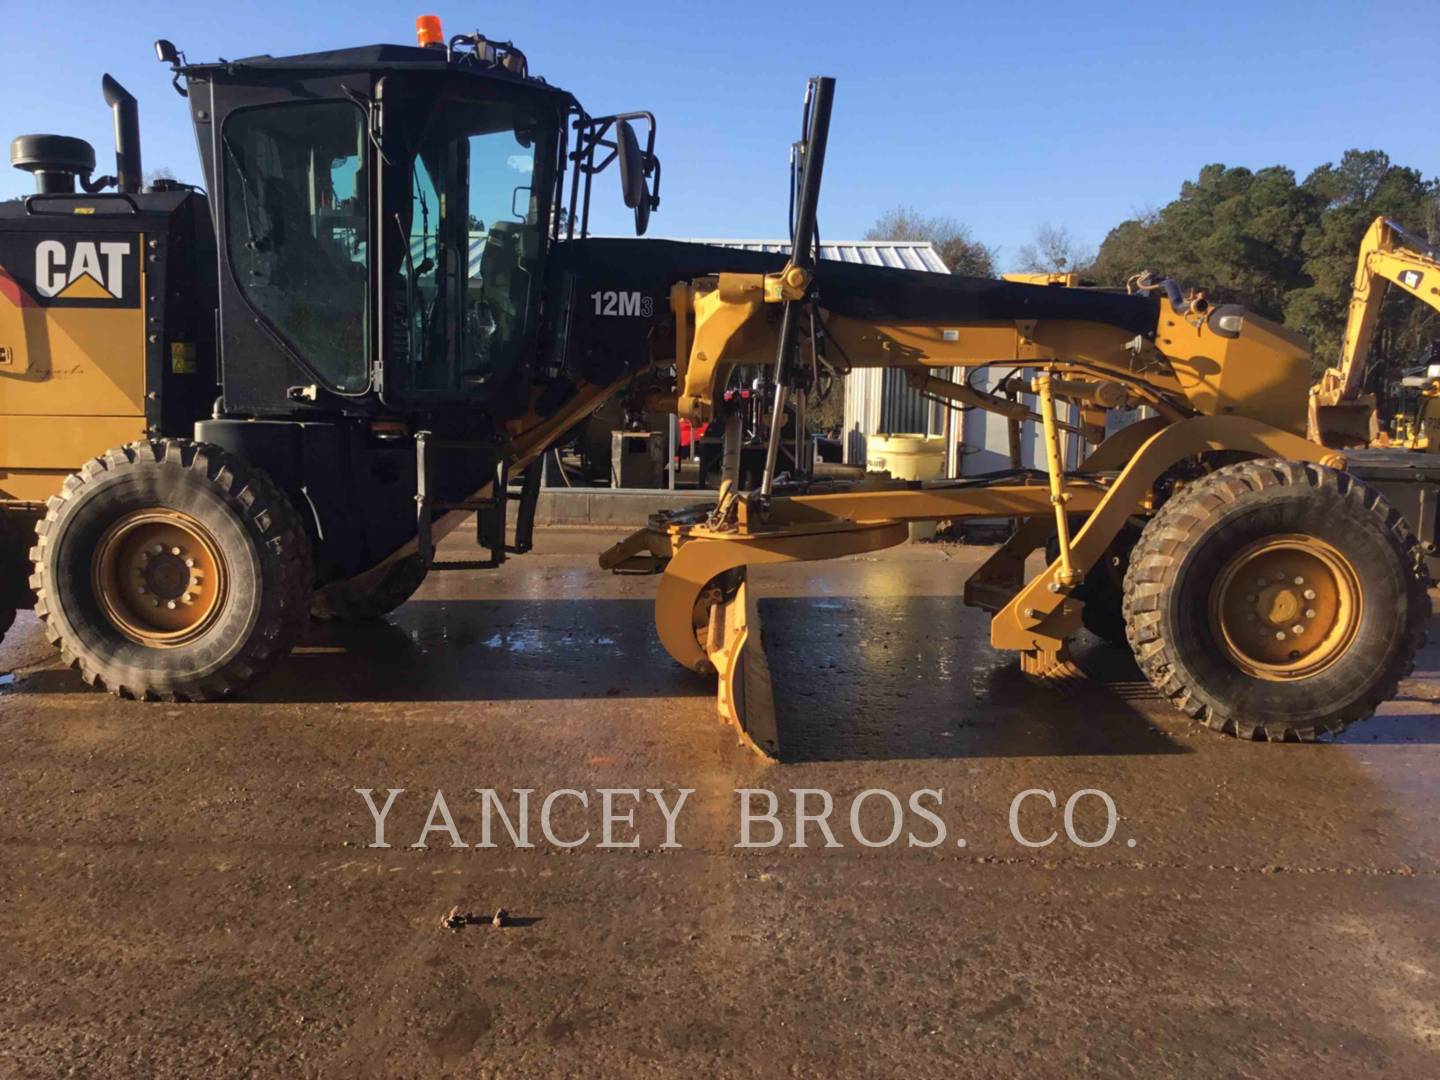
908 457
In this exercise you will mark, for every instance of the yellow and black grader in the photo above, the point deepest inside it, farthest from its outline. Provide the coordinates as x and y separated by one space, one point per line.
226 411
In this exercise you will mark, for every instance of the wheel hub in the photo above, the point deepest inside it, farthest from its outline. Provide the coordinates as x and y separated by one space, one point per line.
159 577
1286 607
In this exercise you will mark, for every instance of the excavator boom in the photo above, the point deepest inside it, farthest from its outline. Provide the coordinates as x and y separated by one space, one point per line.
1340 414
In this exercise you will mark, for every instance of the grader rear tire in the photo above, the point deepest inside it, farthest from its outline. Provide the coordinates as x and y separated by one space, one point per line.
345 602
171 570
1276 600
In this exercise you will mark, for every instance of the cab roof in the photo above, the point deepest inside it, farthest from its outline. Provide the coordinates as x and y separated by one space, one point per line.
377 58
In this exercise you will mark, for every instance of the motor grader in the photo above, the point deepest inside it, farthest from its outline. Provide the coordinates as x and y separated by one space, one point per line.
225 410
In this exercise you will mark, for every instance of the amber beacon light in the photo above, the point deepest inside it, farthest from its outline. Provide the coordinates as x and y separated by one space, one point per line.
428 32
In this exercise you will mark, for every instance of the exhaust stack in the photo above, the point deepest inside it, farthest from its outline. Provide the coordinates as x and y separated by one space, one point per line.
128 173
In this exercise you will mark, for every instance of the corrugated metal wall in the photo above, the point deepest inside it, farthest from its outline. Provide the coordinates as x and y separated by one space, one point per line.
882 402
879 401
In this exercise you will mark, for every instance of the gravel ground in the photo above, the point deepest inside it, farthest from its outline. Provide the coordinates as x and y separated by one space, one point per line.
190 890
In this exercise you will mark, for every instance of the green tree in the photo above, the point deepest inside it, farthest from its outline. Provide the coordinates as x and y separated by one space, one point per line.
1284 249
953 241
1235 233
1362 187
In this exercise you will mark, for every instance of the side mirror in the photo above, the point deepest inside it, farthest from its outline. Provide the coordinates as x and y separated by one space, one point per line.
632 165
167 53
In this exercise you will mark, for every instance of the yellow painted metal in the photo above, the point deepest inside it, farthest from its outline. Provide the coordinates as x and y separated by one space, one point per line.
731 326
702 556
897 502
968 396
1059 278
70 361
1253 368
1002 575
159 577
1065 575
38 452
1339 414
704 613
1041 617
744 696
1259 373
72 385
1286 607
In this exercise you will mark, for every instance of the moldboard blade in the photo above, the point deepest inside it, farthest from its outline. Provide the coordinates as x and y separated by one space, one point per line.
744 696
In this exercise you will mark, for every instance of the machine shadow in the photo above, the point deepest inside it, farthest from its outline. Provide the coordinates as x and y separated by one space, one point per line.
884 678
485 650
855 678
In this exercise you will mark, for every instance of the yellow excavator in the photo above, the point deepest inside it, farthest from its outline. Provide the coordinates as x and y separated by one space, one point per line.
1340 413
224 409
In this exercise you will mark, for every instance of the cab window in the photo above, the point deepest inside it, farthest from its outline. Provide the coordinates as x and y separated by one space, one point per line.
297 229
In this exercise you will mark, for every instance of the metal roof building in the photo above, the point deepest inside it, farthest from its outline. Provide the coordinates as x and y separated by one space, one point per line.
898 254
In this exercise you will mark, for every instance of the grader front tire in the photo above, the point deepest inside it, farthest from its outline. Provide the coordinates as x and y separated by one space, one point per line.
169 569
1276 600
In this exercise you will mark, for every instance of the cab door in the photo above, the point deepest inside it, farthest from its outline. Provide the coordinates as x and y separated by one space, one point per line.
467 194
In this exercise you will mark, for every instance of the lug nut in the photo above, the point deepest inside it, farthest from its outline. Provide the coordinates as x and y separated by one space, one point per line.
174 551
1279 635
170 604
140 588
189 562
1310 613
1309 594
154 602
157 549
1297 629
1299 581
1250 598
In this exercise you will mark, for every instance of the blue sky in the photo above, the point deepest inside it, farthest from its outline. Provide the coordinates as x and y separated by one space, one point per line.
1003 116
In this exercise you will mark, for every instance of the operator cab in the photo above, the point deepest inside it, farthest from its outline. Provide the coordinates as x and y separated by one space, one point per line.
384 216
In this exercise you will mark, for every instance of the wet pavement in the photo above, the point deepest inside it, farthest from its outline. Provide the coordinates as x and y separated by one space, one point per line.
189 889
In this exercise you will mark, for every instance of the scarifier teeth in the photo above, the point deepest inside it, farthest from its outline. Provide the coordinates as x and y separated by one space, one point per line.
1052 669
746 699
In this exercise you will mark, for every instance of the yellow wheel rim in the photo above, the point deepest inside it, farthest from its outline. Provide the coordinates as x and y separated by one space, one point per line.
1286 607
159 577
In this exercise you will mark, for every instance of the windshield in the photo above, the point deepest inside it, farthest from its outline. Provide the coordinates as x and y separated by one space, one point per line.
474 227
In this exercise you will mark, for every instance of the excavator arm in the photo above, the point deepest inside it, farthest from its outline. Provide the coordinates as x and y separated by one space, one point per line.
1340 415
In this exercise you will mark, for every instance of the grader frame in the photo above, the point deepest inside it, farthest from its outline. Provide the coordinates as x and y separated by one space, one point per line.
1220 384
707 617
